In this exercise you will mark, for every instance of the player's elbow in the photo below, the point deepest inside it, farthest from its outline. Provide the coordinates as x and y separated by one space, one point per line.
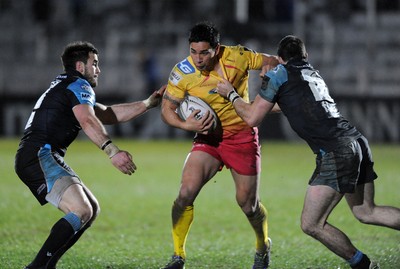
252 122
106 115
167 119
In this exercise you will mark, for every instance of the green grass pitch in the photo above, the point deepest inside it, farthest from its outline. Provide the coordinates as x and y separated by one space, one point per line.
134 226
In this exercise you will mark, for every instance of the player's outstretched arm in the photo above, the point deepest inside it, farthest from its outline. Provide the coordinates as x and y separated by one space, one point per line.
95 130
252 113
128 111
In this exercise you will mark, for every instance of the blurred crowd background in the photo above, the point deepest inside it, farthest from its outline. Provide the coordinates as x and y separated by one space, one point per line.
354 43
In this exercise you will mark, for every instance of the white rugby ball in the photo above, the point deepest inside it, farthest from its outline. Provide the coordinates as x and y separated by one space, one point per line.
192 103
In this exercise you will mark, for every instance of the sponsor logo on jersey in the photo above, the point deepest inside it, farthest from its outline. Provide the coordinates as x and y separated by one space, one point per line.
86 96
54 83
174 77
186 67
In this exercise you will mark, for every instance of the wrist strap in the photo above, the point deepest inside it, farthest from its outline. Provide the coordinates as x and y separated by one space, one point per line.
111 150
105 144
147 103
233 96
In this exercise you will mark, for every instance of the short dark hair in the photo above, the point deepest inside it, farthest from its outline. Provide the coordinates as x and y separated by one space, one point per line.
75 52
291 47
205 32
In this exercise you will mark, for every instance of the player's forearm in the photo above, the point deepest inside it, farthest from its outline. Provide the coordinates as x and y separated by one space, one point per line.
98 134
95 130
243 109
120 112
171 118
169 106
129 111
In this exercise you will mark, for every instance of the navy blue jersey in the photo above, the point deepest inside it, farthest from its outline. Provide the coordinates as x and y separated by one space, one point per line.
304 98
52 120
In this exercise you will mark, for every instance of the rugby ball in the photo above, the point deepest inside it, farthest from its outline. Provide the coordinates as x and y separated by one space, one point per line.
192 103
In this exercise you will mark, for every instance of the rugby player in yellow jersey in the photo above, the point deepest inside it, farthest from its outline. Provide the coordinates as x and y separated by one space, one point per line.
233 144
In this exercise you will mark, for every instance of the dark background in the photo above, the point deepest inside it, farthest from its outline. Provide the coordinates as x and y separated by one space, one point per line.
355 45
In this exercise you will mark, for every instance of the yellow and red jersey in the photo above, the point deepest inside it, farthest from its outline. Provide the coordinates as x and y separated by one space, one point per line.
235 62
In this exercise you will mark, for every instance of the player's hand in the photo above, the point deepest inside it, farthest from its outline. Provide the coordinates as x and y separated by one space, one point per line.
224 87
265 69
155 98
123 162
203 125
270 63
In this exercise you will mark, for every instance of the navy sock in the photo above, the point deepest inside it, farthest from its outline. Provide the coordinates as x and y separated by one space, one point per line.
60 234
53 261
356 258
359 261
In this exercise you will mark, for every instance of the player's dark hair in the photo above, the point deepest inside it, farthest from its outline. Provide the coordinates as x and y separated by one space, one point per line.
204 32
75 52
291 47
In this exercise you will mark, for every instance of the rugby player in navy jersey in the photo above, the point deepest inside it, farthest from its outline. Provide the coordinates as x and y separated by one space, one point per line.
66 107
343 156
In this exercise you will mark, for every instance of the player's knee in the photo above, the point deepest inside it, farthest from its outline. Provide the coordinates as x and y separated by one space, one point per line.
248 206
305 227
362 217
309 228
242 205
363 214
94 214
96 210
85 212
186 197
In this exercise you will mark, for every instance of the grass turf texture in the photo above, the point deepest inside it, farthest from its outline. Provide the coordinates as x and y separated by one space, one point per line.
134 227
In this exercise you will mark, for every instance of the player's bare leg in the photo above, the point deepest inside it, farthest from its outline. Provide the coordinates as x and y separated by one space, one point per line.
75 204
365 210
199 168
96 210
319 202
318 205
248 200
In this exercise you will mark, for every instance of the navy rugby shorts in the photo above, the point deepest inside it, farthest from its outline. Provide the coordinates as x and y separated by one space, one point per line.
40 168
345 167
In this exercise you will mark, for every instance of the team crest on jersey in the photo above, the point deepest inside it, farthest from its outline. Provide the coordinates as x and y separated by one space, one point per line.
186 67
86 88
212 91
174 77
